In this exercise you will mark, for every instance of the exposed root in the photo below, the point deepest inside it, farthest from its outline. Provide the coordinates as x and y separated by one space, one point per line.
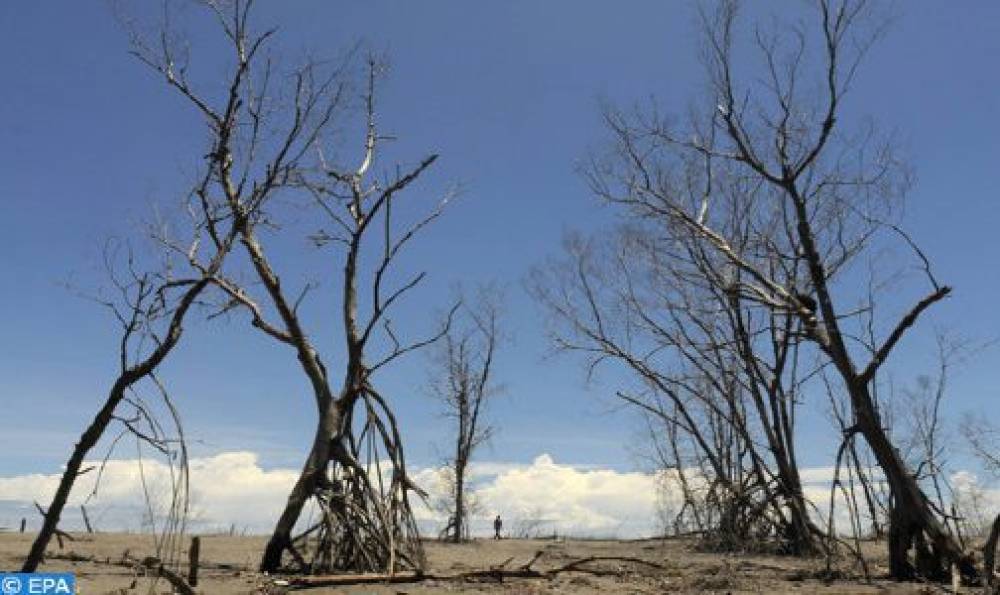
366 523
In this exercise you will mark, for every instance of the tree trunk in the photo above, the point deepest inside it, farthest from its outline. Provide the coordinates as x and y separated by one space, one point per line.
989 556
803 532
311 475
459 534
100 423
87 441
911 518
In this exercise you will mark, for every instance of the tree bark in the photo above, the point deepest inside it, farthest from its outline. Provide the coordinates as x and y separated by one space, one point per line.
99 424
312 473
989 555
911 516
460 520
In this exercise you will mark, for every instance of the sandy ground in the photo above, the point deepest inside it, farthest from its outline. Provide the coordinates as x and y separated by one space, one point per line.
228 568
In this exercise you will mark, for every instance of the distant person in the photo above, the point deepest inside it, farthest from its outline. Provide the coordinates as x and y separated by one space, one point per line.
497 525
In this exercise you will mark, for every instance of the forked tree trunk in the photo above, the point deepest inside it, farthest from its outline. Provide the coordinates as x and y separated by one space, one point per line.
911 517
911 521
365 520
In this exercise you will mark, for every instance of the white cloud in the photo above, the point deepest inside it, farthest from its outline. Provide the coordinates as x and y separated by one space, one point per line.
559 498
816 475
228 488
233 489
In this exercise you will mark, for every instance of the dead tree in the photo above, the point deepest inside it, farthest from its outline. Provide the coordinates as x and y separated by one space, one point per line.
272 131
151 321
827 196
248 159
718 376
151 305
263 126
366 522
463 383
366 519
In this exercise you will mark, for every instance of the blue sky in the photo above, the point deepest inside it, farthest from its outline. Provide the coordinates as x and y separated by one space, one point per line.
508 93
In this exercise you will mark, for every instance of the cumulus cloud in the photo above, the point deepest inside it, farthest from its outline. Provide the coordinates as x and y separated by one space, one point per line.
226 489
547 497
233 489
540 497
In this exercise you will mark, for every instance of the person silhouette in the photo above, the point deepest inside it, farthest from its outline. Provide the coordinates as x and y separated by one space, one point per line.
497 525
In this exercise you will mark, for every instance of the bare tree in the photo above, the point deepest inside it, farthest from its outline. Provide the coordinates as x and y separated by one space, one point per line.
151 304
824 198
463 383
719 378
151 310
366 522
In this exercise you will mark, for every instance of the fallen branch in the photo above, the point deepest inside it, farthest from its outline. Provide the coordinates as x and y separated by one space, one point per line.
176 581
496 573
367 578
575 566
129 562
149 563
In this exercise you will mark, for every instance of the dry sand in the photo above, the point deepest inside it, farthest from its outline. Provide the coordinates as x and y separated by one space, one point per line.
229 562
